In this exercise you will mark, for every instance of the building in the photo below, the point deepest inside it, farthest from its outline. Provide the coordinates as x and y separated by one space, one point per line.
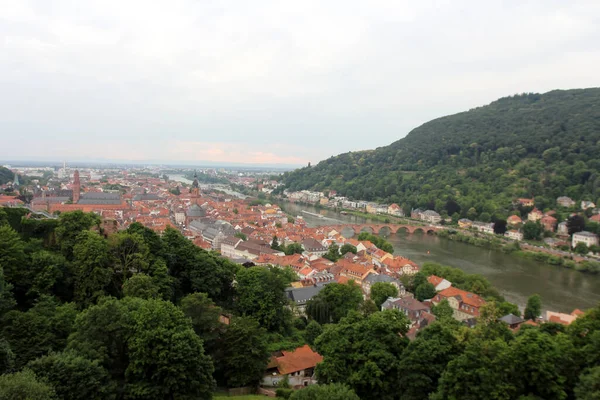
298 365
513 321
464 304
526 202
438 283
514 220
314 248
587 204
588 238
535 215
549 223
395 209
300 296
484 227
416 213
431 216
514 234
565 201
373 278
409 306
465 223
563 229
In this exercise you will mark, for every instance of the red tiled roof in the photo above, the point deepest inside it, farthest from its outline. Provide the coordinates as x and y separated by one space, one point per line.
466 297
300 359
434 280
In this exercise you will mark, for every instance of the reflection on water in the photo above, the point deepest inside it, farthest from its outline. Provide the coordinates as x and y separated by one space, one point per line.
561 289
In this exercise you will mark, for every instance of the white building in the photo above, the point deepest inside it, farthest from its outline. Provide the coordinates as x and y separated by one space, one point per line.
589 238
514 235
431 216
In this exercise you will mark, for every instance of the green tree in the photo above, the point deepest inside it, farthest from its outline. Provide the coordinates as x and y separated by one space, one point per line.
24 385
534 307
205 319
532 231
243 354
7 357
581 248
425 291
334 302
333 391
92 268
312 332
7 302
73 376
293 248
380 291
275 243
260 294
13 261
148 347
575 223
140 285
70 225
363 353
348 248
588 387
442 310
130 255
333 253
241 235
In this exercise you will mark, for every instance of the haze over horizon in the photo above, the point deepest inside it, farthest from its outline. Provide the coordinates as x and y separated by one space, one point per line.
267 82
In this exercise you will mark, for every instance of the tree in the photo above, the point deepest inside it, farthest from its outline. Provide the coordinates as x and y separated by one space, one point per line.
534 307
7 357
363 353
312 332
7 301
532 231
333 253
575 223
442 310
241 235
348 248
333 391
500 227
260 294
92 268
581 248
147 346
425 291
73 376
275 243
334 302
13 261
70 225
205 319
588 387
293 248
380 291
24 385
140 285
130 254
243 354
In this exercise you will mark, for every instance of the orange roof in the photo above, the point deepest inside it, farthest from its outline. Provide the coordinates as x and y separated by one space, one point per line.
434 280
466 297
298 360
577 312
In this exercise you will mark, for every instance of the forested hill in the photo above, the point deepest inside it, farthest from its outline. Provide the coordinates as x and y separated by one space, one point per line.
542 145
6 175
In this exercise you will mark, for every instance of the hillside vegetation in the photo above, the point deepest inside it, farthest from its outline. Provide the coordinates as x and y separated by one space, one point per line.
6 175
529 145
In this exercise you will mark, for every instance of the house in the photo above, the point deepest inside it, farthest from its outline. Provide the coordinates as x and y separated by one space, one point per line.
298 365
526 202
431 216
411 307
416 213
548 222
587 204
514 234
513 321
563 229
595 218
589 238
301 296
562 318
314 248
484 227
514 220
535 215
373 278
464 304
465 223
565 201
228 246
395 209
438 282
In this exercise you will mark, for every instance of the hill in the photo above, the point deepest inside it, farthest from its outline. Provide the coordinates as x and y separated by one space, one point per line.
529 145
6 175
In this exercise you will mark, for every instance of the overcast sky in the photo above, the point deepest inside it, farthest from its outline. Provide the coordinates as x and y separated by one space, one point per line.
269 81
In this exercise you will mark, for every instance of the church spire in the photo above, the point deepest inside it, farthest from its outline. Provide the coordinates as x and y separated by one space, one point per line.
76 187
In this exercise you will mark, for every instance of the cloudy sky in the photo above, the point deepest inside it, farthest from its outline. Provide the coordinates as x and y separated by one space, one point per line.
274 81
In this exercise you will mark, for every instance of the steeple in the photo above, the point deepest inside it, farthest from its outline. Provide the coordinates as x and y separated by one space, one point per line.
76 187
195 186
16 181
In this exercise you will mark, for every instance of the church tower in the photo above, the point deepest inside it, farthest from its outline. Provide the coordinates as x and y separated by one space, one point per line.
76 187
195 186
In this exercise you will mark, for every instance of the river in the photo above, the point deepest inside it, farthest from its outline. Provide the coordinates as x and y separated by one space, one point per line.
516 278
208 186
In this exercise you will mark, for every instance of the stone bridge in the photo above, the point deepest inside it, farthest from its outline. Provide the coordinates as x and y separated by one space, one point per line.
390 228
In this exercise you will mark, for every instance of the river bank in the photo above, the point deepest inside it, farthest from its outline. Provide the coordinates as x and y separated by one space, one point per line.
516 277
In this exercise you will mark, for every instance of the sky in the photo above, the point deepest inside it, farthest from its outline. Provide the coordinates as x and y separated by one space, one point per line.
273 81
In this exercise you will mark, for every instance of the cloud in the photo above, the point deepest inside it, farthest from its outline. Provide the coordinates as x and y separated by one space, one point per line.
271 80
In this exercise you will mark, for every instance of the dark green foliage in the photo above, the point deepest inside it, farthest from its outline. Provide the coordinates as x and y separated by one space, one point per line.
380 291
460 279
588 387
333 253
260 294
293 248
24 385
283 393
425 291
242 356
442 310
6 176
575 223
542 145
364 353
348 248
334 302
142 286
312 332
333 391
534 307
7 357
378 241
205 319
70 225
93 275
74 377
